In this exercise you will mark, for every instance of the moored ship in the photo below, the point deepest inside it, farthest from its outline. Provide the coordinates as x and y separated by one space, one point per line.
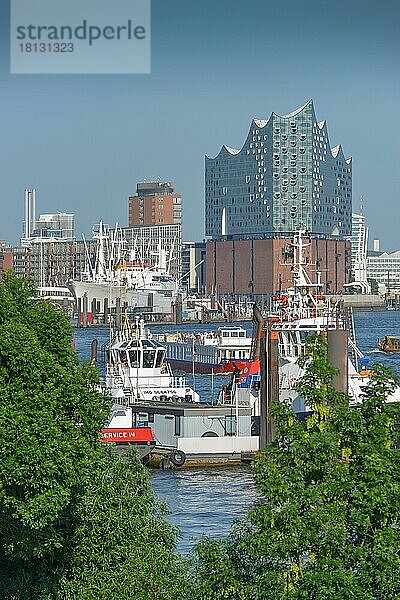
147 394
206 352
118 277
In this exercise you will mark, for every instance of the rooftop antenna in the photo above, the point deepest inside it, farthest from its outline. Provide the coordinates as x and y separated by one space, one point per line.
361 205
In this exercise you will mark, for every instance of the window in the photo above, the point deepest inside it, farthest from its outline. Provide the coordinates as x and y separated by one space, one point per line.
177 430
133 358
160 357
230 425
148 359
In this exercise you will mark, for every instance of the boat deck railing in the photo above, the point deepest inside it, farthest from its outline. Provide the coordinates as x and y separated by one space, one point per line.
163 382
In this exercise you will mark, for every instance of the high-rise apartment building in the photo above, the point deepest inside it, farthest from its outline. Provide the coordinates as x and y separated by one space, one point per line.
155 203
285 176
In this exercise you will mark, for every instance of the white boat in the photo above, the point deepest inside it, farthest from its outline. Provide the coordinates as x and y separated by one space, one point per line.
302 311
147 394
206 352
136 371
118 276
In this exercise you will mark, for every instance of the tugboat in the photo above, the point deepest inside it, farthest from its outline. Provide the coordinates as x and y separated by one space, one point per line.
136 370
389 343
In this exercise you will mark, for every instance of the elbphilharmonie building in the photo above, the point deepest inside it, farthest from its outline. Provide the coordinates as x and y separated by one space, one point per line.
285 176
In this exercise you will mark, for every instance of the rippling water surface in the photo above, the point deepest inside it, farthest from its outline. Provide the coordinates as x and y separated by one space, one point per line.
206 501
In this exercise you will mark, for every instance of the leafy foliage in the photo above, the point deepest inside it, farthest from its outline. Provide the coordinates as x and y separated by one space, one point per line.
122 547
327 526
76 520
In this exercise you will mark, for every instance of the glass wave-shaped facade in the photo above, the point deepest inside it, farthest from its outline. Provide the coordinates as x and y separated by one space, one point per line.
285 176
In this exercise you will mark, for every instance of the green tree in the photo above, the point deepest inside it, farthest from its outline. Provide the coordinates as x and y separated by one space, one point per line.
122 547
327 524
76 519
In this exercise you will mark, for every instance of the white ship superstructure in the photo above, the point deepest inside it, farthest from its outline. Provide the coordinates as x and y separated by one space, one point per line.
136 371
302 311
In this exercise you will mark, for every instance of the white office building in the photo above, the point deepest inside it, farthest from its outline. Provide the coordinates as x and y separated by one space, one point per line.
384 268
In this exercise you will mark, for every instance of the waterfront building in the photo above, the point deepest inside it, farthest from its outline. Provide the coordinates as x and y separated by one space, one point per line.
194 266
155 203
384 268
284 177
256 268
50 262
6 257
155 223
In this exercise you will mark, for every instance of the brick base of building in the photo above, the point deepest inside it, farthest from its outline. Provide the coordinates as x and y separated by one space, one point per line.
264 266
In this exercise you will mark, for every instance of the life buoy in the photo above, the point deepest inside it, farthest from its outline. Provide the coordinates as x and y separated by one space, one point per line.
178 458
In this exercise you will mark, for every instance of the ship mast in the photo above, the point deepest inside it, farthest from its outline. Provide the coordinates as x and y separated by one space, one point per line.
301 280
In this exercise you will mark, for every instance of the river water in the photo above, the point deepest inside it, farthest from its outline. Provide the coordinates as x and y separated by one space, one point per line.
207 501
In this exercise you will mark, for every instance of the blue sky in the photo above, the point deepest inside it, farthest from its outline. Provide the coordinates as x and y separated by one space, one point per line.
85 140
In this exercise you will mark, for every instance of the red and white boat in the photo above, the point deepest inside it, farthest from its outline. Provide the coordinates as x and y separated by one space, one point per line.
206 352
122 434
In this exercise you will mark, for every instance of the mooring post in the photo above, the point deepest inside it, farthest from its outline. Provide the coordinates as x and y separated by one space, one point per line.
338 357
105 311
118 313
263 391
272 381
85 311
79 311
93 357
